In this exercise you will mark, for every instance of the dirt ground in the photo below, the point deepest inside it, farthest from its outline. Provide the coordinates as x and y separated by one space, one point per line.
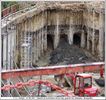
65 54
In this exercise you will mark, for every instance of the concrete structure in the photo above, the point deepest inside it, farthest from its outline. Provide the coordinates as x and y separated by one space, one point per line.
27 36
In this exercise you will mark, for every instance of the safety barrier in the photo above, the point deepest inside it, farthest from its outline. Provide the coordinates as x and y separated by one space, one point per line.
9 10
40 71
52 70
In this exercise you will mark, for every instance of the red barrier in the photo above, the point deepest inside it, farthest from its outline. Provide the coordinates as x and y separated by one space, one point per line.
9 10
52 70
6 12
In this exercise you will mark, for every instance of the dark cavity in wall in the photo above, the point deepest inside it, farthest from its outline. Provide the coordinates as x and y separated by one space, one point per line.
96 42
63 37
90 45
50 42
77 39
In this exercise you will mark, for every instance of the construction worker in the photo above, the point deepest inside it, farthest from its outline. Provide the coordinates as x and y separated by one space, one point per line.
101 72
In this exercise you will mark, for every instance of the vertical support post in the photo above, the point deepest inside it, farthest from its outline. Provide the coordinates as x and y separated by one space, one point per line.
88 30
11 38
6 47
2 46
16 47
56 41
45 32
93 33
21 38
31 42
70 35
28 32
38 44
101 35
82 39
35 47
37 51
35 41
42 43
9 60
13 44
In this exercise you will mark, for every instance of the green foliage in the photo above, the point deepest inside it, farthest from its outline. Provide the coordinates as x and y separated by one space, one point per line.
5 4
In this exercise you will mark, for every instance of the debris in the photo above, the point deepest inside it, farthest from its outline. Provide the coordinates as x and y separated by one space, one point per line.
34 65
100 82
69 54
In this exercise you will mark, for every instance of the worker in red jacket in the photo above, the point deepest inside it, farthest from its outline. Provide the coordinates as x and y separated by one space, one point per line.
101 72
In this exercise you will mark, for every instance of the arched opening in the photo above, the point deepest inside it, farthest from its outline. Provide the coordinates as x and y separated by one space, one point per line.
77 39
63 37
50 42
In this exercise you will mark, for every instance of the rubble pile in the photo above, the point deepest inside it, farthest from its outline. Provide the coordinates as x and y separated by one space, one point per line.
68 54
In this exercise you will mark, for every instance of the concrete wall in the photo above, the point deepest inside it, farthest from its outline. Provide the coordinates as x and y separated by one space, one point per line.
95 31
8 47
31 34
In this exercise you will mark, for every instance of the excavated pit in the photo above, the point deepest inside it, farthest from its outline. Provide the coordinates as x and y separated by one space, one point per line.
69 54
65 53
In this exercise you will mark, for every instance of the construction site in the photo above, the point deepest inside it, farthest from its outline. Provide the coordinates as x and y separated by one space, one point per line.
53 49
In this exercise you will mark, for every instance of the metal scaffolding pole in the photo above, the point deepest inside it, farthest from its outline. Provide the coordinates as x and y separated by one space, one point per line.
6 46
2 38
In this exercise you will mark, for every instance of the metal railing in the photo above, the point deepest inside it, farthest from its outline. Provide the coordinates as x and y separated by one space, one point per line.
50 70
9 10
10 15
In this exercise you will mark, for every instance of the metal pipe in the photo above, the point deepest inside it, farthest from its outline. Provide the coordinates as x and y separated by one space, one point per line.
2 38
6 47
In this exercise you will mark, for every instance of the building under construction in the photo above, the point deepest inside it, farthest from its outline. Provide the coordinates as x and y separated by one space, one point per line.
48 46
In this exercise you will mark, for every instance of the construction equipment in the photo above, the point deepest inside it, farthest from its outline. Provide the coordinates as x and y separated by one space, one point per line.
82 83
